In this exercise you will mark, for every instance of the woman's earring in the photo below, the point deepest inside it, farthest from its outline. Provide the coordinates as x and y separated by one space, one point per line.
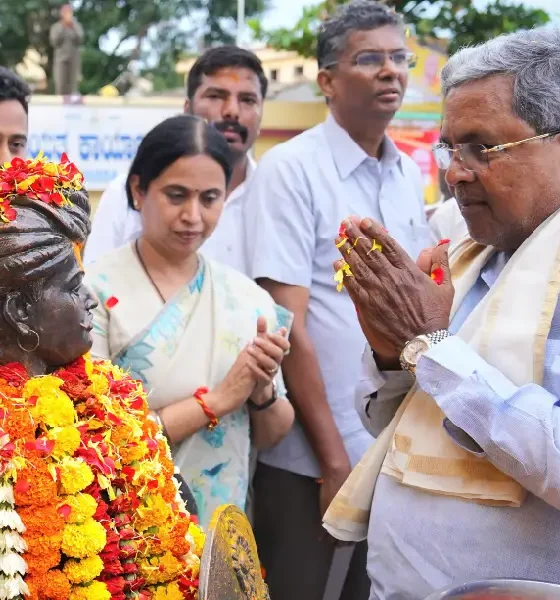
35 340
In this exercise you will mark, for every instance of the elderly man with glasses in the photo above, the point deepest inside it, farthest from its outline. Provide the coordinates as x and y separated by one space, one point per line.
462 373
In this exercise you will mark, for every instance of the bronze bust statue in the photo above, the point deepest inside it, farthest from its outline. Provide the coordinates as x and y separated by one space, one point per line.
45 324
45 316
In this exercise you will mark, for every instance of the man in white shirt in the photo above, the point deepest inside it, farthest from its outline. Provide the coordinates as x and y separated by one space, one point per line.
297 198
227 86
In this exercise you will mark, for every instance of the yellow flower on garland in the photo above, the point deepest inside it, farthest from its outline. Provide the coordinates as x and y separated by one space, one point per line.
198 536
82 571
160 569
168 592
84 540
83 507
155 511
97 590
133 452
66 440
99 385
75 474
53 406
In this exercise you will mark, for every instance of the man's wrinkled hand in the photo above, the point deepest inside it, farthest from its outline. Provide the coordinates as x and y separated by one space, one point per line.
395 298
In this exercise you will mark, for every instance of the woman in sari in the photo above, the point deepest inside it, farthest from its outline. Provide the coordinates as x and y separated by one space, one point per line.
206 341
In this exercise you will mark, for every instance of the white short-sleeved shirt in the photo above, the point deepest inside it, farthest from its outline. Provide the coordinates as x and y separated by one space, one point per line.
300 193
116 224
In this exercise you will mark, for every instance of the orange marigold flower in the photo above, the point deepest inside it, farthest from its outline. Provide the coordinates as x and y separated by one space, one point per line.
53 585
41 489
44 520
168 491
43 553
57 585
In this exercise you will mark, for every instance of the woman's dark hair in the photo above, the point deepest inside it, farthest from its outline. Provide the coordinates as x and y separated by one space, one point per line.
184 135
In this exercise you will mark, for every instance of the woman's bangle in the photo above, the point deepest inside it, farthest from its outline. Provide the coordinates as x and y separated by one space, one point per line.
207 410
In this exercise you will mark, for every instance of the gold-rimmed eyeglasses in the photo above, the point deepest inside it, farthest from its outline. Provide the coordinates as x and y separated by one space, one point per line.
375 59
475 157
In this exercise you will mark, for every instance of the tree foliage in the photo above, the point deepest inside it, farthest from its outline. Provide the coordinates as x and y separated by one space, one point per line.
457 21
155 32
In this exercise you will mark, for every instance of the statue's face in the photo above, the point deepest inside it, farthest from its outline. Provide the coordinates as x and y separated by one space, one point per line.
61 317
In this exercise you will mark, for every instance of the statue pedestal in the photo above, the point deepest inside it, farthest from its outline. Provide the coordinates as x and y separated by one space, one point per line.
230 568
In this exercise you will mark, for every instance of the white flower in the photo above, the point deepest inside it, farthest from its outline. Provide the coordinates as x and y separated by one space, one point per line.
12 540
11 520
7 494
12 587
12 563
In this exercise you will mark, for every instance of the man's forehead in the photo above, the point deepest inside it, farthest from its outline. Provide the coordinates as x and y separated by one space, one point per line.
13 118
232 77
480 104
388 37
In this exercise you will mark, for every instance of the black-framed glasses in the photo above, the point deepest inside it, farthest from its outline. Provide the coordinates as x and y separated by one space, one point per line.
475 157
375 59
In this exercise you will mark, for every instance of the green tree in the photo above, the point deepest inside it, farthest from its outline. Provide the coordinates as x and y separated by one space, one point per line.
154 32
457 21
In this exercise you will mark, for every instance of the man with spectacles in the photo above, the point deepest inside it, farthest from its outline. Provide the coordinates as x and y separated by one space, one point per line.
465 479
300 192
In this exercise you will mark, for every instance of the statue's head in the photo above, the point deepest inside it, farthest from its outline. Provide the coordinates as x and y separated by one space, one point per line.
45 318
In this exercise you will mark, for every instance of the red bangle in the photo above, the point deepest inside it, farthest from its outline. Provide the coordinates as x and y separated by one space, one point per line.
207 411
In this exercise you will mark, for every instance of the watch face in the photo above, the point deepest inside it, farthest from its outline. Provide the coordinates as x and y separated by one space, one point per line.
414 350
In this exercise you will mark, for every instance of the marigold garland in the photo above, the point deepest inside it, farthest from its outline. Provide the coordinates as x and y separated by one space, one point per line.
37 179
89 507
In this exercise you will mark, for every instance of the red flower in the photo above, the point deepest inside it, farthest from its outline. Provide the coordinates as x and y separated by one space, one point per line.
14 374
438 275
342 231
115 585
111 302
443 241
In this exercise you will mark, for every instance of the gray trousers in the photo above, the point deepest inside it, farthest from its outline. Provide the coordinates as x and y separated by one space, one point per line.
66 74
295 550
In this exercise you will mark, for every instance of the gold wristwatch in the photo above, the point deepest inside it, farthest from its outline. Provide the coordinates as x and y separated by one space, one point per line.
418 346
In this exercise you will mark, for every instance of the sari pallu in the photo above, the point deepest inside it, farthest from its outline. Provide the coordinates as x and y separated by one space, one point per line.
191 341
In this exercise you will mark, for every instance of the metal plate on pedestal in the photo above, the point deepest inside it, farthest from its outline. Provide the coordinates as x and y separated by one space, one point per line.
500 589
230 568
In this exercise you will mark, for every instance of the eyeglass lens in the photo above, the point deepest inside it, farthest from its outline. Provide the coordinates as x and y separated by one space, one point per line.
472 156
400 58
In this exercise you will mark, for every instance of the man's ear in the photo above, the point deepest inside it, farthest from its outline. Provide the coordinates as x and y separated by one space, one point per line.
187 107
325 83
16 313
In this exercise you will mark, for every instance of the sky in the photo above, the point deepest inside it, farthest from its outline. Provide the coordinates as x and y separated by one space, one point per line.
286 12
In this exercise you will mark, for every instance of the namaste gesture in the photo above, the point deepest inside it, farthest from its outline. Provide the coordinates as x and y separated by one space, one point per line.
396 298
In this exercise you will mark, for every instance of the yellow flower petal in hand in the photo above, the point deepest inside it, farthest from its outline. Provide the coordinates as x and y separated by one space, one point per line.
338 277
376 247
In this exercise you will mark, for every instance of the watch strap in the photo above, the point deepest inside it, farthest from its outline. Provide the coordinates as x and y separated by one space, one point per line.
433 338
258 407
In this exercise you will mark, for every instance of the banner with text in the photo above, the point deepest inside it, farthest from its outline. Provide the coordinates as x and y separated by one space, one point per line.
101 140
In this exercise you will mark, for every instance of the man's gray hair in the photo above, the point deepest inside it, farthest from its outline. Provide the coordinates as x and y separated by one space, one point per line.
359 15
531 57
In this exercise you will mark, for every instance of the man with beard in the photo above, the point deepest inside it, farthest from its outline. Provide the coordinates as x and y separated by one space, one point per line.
226 86
463 482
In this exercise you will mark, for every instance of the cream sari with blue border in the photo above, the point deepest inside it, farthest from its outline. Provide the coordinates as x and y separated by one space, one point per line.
191 341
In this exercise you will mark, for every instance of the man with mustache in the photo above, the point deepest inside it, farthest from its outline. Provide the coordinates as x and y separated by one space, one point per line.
226 86
463 483
299 194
